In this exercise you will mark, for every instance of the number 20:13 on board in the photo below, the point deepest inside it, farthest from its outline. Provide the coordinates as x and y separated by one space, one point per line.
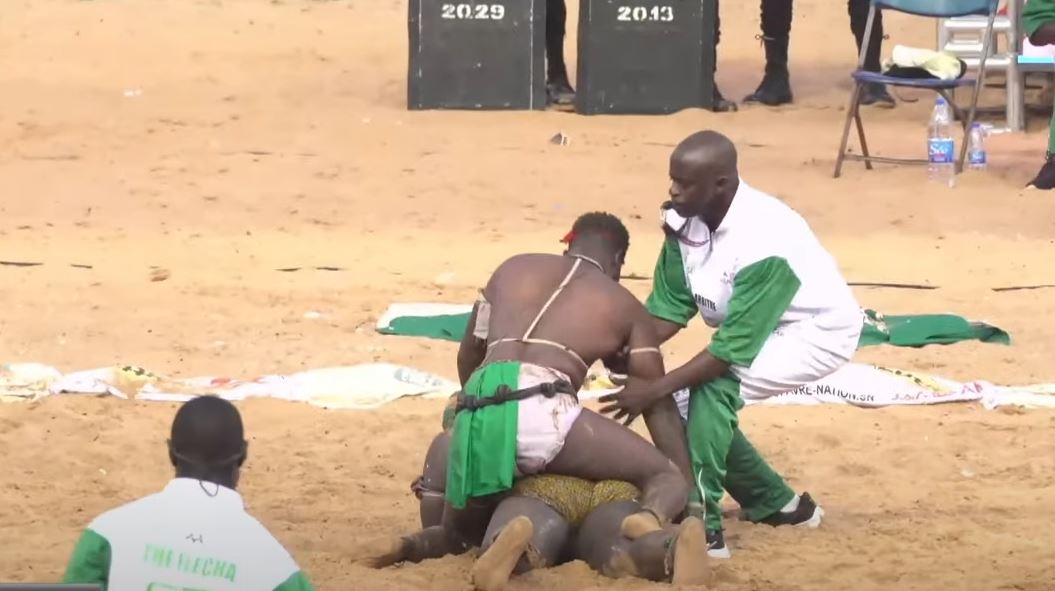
663 14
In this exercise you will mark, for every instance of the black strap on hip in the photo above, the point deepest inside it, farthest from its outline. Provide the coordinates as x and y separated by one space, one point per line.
505 394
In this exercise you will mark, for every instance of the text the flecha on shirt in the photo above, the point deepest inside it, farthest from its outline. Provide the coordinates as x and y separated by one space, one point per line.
704 302
159 556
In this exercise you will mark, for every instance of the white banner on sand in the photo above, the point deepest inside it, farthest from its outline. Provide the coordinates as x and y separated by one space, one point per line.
874 386
373 385
869 386
359 387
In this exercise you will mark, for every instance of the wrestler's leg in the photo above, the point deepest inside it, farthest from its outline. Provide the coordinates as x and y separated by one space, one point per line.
601 544
674 553
524 534
597 448
461 529
433 481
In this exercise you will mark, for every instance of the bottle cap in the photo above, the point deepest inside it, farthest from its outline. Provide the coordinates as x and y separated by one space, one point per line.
939 101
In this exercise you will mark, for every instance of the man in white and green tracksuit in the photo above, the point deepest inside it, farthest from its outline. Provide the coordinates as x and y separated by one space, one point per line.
785 317
194 535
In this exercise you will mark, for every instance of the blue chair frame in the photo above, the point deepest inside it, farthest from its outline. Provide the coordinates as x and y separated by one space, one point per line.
925 8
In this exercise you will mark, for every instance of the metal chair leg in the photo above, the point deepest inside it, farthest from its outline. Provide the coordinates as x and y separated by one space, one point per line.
861 136
977 91
969 120
855 95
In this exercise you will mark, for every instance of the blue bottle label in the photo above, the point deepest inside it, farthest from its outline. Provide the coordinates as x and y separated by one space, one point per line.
976 156
941 151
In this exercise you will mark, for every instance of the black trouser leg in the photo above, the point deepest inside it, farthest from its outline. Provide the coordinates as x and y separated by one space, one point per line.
556 19
775 88
858 10
717 28
720 102
871 94
776 33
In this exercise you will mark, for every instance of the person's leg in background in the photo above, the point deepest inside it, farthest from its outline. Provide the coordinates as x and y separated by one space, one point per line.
871 94
558 87
721 104
775 88
1038 23
1045 179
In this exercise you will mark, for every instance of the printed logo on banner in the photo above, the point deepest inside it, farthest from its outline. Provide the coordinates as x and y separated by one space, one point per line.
921 380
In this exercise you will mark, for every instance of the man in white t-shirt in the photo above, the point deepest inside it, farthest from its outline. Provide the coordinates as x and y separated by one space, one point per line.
751 267
195 534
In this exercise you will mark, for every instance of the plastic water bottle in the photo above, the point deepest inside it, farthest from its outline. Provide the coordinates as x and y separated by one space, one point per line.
941 149
976 158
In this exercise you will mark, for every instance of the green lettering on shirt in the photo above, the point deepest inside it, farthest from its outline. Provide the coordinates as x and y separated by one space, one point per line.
161 557
157 556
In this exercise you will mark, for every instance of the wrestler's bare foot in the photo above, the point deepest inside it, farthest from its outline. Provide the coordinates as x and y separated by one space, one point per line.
382 554
691 565
639 524
620 565
492 570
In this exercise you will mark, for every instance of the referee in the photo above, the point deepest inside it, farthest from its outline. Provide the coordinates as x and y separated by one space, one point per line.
752 268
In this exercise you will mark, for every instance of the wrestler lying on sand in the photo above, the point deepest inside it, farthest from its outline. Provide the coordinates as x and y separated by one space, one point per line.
550 519
537 327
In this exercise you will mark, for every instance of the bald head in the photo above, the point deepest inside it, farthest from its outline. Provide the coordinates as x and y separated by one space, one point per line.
208 441
704 177
708 149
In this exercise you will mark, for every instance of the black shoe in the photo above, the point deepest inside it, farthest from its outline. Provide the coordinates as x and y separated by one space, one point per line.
807 514
876 94
774 90
722 104
1045 179
716 547
560 93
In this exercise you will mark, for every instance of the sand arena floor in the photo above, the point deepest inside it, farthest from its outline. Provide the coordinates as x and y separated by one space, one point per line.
260 135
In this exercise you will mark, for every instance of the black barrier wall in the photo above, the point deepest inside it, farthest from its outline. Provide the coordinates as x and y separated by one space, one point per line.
471 54
645 56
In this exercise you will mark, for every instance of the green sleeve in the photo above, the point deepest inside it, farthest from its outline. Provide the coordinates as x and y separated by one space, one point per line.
761 294
296 582
671 299
90 562
1036 13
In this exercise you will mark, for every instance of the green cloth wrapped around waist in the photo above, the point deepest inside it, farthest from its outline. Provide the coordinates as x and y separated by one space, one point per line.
482 457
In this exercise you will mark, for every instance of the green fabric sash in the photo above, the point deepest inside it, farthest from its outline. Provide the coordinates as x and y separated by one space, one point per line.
482 457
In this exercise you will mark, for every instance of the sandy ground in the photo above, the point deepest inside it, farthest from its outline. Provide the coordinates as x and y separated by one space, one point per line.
262 135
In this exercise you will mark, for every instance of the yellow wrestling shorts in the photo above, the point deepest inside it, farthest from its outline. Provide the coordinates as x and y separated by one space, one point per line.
572 497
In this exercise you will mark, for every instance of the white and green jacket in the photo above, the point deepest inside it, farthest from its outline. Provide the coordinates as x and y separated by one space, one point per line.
191 536
761 270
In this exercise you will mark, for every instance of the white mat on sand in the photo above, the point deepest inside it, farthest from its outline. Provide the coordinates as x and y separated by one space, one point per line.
359 387
373 385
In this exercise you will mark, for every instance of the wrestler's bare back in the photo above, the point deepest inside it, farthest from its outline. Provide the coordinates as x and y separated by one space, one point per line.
593 315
